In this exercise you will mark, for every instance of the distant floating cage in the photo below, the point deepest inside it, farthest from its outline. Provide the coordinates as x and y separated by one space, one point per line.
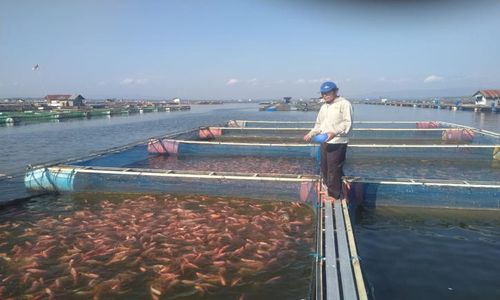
357 124
443 135
213 148
377 133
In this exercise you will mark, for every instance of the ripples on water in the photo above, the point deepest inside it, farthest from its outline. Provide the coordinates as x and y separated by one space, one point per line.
112 246
418 253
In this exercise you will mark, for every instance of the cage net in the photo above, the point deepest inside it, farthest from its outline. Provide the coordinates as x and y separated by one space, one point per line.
388 161
423 193
373 135
100 179
356 124
12 188
181 237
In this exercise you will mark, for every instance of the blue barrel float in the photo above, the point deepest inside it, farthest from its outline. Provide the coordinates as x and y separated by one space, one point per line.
45 179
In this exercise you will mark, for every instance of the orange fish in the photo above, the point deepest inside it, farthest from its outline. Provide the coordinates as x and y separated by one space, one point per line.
272 280
74 274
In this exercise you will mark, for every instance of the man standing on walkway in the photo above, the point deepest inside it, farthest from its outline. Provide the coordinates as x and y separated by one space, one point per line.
335 120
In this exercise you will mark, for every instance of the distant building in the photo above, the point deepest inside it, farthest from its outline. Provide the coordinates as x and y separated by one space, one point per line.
487 97
64 100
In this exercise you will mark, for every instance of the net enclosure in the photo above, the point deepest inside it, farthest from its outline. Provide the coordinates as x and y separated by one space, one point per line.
186 157
422 192
193 154
101 179
242 166
288 142
357 135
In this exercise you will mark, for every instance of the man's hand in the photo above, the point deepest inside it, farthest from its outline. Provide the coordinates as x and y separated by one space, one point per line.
307 138
330 136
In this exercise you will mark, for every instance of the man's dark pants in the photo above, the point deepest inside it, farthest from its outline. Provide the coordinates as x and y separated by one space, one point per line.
332 162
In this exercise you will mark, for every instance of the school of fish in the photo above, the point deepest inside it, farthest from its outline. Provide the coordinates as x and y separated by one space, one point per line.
154 247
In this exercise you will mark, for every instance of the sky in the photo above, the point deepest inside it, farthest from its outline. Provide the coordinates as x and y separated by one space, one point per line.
256 49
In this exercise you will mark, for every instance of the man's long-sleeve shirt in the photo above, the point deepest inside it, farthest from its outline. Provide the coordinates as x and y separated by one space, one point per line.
335 118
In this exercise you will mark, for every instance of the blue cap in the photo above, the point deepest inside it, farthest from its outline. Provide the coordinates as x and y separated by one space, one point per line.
320 138
327 87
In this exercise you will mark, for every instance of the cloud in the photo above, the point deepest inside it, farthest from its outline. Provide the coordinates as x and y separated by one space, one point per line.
319 80
433 78
232 81
393 80
314 80
134 81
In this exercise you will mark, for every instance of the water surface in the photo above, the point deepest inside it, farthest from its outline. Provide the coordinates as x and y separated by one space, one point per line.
418 253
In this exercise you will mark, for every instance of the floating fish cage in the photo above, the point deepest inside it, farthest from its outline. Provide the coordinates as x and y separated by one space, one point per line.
173 163
332 227
69 178
302 188
356 124
457 142
272 163
415 136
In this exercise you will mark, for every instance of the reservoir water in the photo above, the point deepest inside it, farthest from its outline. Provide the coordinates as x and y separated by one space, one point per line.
405 253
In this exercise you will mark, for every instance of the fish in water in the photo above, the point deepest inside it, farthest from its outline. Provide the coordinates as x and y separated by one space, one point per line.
164 245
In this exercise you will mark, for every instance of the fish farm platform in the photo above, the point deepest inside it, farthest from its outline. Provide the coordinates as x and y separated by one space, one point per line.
271 162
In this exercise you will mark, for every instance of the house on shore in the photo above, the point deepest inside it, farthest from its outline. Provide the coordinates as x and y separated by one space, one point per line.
62 101
490 98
